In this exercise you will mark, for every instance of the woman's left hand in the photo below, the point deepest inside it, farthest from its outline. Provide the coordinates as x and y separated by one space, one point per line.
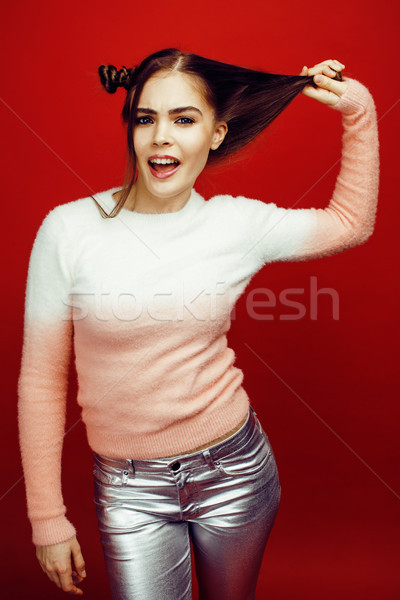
329 90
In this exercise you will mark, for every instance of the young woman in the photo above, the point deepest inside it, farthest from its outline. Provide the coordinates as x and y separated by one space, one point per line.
144 278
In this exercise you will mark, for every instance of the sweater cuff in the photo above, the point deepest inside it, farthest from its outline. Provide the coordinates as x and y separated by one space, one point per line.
355 98
52 531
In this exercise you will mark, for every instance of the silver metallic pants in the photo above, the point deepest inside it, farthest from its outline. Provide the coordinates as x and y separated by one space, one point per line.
223 499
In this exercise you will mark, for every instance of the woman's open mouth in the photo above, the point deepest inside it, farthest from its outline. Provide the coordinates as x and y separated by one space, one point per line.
162 167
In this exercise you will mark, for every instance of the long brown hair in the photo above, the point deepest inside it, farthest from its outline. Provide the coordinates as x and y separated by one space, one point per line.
247 100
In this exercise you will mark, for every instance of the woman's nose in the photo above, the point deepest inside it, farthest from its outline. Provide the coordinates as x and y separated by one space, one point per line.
162 135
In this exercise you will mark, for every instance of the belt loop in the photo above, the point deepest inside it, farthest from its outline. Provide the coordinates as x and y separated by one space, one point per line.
132 464
208 458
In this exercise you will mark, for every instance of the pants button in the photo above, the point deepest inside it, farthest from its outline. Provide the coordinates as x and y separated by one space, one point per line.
176 466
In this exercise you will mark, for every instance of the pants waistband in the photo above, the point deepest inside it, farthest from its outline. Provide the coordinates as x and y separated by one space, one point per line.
206 456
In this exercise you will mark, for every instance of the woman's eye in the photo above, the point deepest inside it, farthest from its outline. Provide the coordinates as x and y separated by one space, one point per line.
185 120
143 120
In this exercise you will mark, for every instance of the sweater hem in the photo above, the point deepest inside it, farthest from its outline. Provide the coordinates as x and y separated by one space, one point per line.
177 439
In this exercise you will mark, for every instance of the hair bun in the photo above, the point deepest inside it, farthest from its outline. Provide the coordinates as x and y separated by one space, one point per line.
112 78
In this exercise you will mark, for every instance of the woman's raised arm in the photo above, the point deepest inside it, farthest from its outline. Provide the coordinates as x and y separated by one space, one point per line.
275 233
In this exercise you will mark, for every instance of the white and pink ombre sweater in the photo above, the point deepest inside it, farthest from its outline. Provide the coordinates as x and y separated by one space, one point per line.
146 301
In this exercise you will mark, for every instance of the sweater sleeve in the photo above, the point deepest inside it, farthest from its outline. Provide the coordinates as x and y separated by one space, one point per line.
276 233
43 381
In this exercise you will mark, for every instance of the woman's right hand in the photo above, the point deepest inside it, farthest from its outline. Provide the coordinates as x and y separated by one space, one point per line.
63 563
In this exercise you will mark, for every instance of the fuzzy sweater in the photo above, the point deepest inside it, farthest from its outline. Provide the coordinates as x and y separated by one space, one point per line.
145 301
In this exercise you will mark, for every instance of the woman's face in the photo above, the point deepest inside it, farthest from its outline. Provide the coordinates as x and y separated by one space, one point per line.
174 131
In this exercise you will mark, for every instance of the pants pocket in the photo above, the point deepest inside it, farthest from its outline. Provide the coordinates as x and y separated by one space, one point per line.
115 477
250 461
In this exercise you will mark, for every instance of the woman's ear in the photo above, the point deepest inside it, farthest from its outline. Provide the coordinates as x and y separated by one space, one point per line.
221 129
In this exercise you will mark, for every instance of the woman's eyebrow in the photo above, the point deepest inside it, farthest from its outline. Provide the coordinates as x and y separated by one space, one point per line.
173 111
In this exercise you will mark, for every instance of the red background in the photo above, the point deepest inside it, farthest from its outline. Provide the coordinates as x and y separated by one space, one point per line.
325 389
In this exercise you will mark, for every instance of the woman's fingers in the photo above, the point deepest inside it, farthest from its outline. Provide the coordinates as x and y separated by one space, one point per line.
328 91
62 576
328 68
332 85
67 584
64 565
335 64
324 70
324 73
78 560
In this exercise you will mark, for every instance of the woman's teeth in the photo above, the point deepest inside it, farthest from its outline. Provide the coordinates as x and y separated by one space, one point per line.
163 164
164 161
